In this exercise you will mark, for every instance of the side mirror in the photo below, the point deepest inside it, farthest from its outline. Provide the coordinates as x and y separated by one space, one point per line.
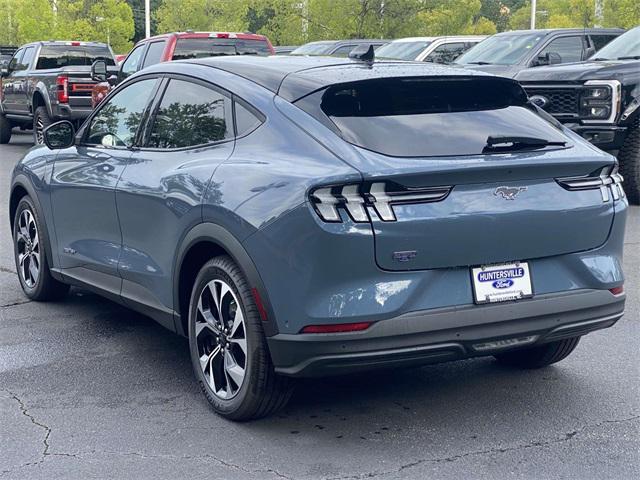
60 135
549 58
99 71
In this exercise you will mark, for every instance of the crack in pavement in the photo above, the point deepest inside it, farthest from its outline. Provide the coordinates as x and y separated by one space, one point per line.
22 302
7 270
46 428
453 458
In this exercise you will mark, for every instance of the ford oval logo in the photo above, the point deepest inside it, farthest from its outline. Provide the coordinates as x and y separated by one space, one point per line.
539 100
506 283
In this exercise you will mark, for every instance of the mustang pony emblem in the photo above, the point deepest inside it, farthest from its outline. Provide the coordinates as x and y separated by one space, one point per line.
509 193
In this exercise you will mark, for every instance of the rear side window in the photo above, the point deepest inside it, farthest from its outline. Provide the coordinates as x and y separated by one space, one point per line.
446 53
190 115
246 119
600 41
154 54
58 56
27 58
422 117
213 47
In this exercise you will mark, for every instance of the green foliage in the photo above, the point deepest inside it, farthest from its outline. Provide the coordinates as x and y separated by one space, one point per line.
97 20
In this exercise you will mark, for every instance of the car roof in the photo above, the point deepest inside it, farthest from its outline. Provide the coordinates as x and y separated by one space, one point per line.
294 77
549 31
443 37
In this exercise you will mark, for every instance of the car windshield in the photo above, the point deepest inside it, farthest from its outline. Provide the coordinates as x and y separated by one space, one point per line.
625 46
402 50
58 56
214 47
313 49
507 49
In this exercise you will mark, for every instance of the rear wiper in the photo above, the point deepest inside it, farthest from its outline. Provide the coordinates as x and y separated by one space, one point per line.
630 57
507 143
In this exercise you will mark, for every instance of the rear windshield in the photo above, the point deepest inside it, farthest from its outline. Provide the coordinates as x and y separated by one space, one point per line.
423 117
58 56
215 47
402 50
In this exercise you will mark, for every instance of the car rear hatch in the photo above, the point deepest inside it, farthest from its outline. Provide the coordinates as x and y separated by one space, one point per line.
462 172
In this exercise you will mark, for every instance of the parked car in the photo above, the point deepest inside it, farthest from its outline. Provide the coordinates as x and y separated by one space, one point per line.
46 82
428 49
509 52
598 99
335 48
313 216
120 58
284 49
181 46
6 53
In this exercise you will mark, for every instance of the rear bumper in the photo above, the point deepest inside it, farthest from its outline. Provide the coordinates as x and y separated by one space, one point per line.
438 335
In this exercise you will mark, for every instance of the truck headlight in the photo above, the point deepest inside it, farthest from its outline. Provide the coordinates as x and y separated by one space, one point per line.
600 101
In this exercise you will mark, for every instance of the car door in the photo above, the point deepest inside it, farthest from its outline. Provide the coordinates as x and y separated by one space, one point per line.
21 82
83 188
9 91
159 196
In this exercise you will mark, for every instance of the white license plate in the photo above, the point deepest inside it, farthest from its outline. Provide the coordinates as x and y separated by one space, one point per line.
501 283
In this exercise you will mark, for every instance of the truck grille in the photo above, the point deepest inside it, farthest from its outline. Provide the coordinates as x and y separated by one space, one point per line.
561 101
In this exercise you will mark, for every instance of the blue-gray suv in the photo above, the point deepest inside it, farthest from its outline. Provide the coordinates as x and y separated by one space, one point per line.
306 216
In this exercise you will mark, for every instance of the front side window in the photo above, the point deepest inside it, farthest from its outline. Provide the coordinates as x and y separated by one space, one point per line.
154 54
133 61
27 58
14 64
189 115
570 49
446 53
501 49
118 120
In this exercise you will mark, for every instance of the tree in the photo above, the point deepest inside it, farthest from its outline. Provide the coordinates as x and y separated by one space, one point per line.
204 15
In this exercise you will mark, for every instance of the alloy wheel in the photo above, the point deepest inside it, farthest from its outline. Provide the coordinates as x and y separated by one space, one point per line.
221 339
28 244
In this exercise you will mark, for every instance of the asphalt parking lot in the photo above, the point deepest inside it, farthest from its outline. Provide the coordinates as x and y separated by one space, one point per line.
89 389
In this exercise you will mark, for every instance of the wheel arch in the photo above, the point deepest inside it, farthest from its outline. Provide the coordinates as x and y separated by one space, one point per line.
202 243
20 188
40 98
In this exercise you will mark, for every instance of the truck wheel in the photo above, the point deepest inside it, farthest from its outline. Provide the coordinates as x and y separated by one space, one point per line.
629 158
540 356
41 120
5 129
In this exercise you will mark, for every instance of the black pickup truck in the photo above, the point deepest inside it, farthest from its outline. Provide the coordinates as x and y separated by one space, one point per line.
48 81
599 99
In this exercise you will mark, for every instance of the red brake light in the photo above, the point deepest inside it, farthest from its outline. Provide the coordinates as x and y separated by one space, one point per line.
337 328
62 83
75 44
617 290
222 35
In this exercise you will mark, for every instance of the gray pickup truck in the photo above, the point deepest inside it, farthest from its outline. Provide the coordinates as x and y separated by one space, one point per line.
48 81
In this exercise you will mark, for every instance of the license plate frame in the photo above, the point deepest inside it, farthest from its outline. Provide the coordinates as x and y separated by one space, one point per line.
502 282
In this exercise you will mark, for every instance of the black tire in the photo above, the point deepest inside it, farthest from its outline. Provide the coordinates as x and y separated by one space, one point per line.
45 287
629 158
5 129
41 120
262 392
541 356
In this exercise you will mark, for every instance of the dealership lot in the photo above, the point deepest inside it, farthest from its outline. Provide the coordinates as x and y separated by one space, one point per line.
88 387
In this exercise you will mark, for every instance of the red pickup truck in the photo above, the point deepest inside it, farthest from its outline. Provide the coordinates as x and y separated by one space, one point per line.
180 46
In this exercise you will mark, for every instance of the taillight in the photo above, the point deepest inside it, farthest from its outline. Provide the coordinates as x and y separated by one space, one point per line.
62 83
617 290
606 180
337 328
360 201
